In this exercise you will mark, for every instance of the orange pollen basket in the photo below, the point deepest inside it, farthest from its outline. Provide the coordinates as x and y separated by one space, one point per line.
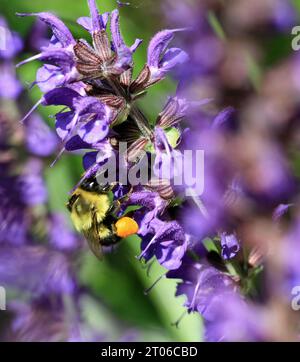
126 227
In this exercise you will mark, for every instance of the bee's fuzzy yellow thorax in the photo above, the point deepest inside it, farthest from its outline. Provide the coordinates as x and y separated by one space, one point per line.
82 215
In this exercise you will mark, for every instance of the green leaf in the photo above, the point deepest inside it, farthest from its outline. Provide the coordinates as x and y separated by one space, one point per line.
216 25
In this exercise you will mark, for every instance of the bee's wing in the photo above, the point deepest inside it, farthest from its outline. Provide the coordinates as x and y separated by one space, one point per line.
93 238
94 244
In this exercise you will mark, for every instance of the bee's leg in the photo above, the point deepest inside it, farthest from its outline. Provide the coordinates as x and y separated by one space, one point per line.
110 240
116 207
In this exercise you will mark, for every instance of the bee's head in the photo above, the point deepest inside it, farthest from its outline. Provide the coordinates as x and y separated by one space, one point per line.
92 185
126 226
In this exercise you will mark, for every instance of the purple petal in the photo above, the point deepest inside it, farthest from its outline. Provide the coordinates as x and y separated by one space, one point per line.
86 22
280 211
60 58
76 143
223 117
63 121
96 19
10 87
124 60
61 235
31 184
105 151
166 241
117 38
172 57
157 46
40 139
93 131
61 32
61 96
85 105
46 272
135 45
49 77
170 255
12 43
89 159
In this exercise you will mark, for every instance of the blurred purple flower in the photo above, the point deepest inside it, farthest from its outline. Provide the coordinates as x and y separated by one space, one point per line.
284 15
280 211
12 42
35 269
233 320
31 184
10 86
290 257
40 139
61 236
13 219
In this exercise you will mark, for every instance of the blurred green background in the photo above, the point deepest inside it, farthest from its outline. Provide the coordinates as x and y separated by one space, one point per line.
120 280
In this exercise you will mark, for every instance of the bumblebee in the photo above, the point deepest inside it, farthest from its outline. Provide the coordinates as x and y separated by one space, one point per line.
94 214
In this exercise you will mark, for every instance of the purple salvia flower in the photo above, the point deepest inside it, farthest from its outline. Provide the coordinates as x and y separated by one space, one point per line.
13 221
60 31
58 70
40 139
47 272
10 87
86 22
43 320
223 117
284 15
151 202
176 109
61 237
232 319
280 210
97 23
290 257
87 123
160 60
200 284
168 162
38 36
117 39
13 43
58 56
31 184
166 241
95 159
230 245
